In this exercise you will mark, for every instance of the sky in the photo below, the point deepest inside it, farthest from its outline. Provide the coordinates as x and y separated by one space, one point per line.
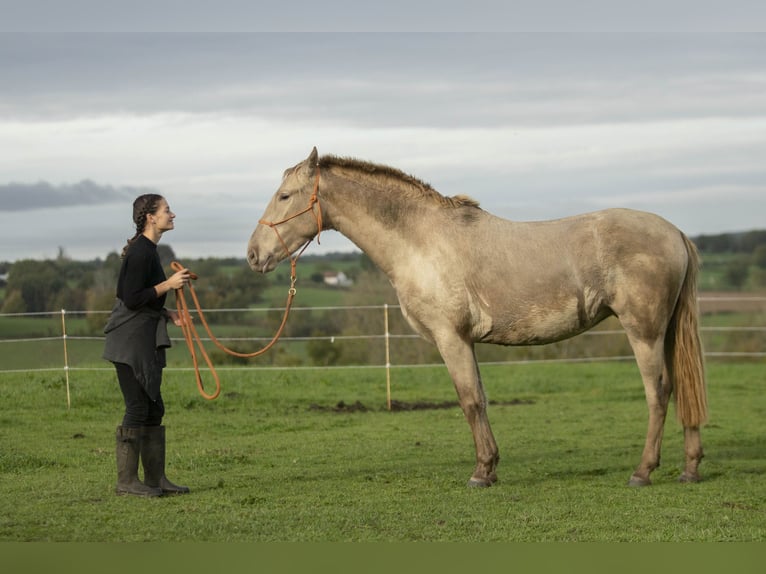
533 125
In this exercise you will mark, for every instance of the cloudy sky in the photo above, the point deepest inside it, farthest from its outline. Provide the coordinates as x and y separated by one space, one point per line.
532 125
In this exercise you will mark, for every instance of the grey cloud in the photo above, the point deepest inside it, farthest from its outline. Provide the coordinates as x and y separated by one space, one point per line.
333 15
43 195
344 93
435 80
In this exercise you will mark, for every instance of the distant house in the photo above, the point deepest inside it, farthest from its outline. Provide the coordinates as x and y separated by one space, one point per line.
3 279
337 279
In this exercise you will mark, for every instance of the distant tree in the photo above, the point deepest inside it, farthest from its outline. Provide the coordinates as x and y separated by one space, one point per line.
736 273
372 287
207 267
38 282
721 243
243 288
366 263
62 256
14 303
232 290
70 299
751 240
731 242
100 296
166 253
759 256
323 352
758 277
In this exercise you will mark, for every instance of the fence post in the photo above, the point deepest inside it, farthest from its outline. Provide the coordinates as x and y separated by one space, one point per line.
388 357
66 358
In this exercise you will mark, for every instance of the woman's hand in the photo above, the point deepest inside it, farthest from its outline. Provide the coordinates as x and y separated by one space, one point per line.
176 318
178 279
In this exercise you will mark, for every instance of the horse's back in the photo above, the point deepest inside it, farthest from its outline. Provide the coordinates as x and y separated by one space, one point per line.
598 241
537 282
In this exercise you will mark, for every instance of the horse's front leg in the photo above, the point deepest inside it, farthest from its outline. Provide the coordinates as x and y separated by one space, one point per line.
461 363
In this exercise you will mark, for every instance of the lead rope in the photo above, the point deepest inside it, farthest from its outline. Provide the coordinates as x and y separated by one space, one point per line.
190 331
191 335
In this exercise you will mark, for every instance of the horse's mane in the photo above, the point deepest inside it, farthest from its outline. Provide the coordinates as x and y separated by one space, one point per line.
403 181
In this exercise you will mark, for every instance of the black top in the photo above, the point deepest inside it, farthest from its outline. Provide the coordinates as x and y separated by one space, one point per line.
141 270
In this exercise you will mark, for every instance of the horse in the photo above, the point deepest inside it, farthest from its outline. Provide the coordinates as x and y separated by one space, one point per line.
464 276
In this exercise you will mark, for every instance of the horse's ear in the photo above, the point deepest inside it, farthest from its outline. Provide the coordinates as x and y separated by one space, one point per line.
313 159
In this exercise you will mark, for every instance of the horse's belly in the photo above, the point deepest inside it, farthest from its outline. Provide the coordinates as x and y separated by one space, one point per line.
539 324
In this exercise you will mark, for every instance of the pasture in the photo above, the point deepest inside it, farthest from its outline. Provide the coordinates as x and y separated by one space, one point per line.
313 455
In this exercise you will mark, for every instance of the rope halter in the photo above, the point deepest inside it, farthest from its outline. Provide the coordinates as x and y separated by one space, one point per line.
314 199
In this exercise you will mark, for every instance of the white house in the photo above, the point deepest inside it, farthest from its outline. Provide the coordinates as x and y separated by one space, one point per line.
337 279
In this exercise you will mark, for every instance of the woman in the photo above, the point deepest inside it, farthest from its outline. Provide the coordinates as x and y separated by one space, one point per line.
136 339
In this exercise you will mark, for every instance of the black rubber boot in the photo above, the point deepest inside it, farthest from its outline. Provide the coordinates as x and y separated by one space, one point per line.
153 460
128 449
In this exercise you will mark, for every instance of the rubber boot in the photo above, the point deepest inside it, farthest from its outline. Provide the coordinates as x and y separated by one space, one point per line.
153 460
128 449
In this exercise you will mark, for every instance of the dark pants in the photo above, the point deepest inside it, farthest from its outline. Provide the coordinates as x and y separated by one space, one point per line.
140 410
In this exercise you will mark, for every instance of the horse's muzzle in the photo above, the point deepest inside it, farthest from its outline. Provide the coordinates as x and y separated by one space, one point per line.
261 265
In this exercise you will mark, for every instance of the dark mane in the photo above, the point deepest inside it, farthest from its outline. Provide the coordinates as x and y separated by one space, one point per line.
403 181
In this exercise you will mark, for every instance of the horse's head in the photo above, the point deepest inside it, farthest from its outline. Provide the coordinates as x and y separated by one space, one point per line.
292 218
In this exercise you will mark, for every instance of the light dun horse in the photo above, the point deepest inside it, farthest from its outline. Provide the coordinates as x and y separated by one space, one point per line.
465 276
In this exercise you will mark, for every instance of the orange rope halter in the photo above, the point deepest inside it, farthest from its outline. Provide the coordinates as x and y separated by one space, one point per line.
314 199
189 330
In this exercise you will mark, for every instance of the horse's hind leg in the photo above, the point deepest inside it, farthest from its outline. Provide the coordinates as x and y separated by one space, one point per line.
657 388
462 366
693 449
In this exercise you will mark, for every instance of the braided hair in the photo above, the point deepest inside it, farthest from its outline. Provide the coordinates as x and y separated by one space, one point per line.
144 205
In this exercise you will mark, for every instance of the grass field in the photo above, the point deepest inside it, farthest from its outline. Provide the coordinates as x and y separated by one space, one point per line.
315 456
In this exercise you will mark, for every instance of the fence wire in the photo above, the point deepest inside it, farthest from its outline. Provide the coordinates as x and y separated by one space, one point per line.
45 344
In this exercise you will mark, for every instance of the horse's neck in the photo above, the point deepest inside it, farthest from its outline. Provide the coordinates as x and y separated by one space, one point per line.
354 209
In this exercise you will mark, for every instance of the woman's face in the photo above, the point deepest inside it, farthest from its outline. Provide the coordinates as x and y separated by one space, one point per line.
163 218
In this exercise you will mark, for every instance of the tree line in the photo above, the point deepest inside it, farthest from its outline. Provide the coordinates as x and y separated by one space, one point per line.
747 242
50 285
737 259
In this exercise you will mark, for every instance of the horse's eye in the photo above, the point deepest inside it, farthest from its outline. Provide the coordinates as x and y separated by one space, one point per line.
284 196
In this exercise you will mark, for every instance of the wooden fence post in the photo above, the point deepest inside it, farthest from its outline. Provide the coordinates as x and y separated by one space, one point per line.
388 358
66 358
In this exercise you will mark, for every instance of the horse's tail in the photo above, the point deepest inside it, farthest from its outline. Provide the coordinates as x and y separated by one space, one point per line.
683 348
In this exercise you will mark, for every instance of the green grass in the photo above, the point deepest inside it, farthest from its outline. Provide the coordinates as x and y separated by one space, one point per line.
309 296
271 461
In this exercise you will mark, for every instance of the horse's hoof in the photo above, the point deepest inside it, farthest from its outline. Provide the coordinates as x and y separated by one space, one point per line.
638 481
688 478
481 482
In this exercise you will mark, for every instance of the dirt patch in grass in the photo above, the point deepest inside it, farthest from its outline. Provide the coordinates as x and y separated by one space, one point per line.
398 406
